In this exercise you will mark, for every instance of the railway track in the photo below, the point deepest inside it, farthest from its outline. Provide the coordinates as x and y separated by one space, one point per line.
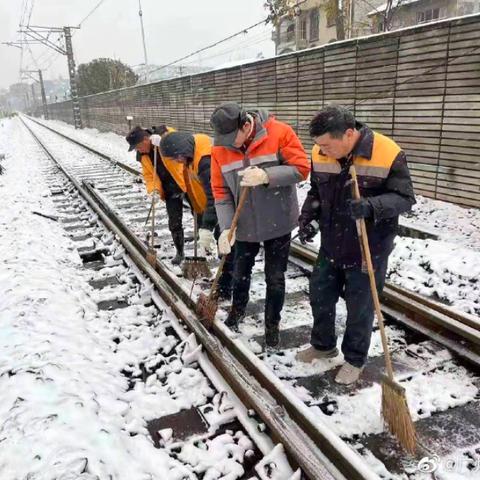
335 431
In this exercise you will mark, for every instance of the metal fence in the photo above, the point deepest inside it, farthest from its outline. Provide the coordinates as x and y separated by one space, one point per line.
419 85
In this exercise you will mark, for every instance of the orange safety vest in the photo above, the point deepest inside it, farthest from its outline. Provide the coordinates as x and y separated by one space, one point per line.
185 177
384 153
152 181
193 184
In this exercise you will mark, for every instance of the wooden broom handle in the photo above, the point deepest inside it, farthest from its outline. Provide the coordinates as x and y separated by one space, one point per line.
233 227
153 195
238 210
365 249
195 233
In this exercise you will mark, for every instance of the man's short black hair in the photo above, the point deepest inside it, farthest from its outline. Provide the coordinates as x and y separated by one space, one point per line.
160 130
334 119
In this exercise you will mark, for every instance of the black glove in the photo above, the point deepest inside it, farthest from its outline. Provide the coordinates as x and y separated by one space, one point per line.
306 233
360 208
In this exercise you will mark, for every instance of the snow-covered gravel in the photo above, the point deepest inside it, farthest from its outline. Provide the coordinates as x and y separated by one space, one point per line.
67 412
67 409
447 269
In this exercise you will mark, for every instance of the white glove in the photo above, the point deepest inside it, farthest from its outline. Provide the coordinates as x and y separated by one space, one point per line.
225 246
253 176
206 239
155 139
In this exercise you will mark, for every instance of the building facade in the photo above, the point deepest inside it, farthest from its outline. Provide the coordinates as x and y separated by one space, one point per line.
406 13
315 24
309 28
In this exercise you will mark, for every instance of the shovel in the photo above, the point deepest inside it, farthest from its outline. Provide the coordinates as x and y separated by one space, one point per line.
195 266
207 305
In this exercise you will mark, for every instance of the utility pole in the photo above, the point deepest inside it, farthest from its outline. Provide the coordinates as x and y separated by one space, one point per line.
77 119
42 88
44 97
140 14
35 35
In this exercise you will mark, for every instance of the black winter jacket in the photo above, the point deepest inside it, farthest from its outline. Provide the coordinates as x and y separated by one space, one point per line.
326 202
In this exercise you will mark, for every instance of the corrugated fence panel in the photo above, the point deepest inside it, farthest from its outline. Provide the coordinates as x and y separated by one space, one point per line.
458 177
420 85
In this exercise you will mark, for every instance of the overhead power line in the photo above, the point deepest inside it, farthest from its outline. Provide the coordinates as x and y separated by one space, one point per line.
262 37
245 30
208 47
92 11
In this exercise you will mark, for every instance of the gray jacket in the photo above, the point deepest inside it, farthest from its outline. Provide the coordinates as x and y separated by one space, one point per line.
271 210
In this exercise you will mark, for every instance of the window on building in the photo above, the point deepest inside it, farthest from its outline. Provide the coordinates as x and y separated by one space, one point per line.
314 24
291 32
466 9
303 29
331 21
428 15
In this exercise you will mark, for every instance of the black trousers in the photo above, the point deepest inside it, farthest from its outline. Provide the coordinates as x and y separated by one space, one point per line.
276 260
327 283
174 204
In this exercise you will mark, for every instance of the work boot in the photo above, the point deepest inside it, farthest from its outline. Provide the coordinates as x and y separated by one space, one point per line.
234 317
272 337
311 353
178 241
348 374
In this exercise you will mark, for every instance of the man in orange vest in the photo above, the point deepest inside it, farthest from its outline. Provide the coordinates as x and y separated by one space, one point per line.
386 190
253 149
193 153
167 180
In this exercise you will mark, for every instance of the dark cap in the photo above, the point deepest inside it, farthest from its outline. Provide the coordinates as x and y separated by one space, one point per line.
226 121
135 136
178 144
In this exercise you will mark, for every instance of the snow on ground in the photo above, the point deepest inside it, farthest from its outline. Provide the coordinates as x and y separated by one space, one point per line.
66 410
451 222
438 269
64 399
447 269
108 143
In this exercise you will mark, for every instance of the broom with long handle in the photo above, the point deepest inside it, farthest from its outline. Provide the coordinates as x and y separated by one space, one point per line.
151 252
394 401
207 306
195 266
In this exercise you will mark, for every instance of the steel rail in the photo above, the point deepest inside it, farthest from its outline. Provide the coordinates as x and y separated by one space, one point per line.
309 444
457 331
410 308
122 165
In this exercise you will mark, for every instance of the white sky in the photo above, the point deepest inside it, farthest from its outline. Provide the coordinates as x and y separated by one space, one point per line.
173 29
